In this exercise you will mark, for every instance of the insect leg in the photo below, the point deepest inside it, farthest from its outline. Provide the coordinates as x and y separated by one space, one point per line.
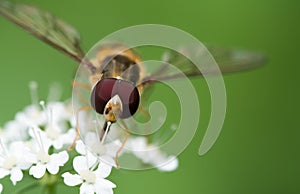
76 127
81 85
123 143
145 113
76 85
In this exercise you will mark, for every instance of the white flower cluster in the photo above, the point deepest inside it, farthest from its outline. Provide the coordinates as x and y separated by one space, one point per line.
36 143
37 140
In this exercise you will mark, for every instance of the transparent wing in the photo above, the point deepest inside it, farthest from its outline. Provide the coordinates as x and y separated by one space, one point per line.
228 60
235 60
45 27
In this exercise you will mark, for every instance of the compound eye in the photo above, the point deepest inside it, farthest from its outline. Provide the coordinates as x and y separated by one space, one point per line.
107 88
101 94
129 96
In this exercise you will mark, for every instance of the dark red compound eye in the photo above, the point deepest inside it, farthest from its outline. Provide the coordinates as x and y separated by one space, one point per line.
107 88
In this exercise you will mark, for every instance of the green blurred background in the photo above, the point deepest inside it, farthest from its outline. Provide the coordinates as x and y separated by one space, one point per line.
258 150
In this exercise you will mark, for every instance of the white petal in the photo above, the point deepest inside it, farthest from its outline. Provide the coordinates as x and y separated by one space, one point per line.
31 158
26 159
14 131
68 137
57 144
137 144
57 160
1 188
103 183
16 175
102 190
52 168
24 165
171 165
3 173
103 170
108 160
83 162
71 179
61 158
59 111
37 171
30 116
86 188
91 138
80 147
16 148
80 163
92 159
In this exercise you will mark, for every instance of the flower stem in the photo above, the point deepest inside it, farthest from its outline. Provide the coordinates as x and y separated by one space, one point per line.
49 181
50 189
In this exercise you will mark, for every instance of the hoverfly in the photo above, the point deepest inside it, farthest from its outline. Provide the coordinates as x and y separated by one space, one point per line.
117 78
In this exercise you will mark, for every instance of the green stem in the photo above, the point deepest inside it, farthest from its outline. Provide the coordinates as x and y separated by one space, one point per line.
50 189
49 181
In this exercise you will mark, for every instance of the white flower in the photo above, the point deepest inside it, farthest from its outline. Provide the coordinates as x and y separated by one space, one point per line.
58 138
57 129
43 161
12 161
32 115
151 154
50 162
14 131
1 188
91 181
60 112
104 152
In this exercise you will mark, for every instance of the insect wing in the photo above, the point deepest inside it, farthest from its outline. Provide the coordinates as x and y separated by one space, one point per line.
45 27
228 60
235 60
211 62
